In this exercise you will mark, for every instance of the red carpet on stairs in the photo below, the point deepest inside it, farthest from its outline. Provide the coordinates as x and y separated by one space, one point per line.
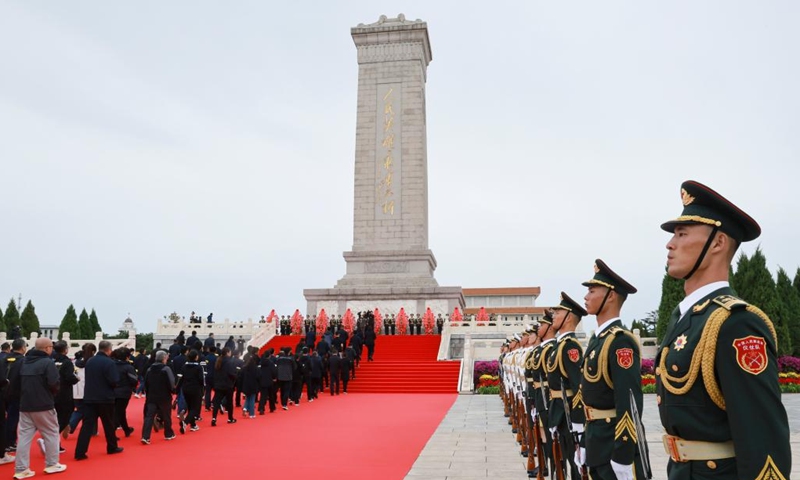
403 364
349 437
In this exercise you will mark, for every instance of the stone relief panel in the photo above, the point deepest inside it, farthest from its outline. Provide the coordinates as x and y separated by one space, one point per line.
437 306
386 267
386 307
331 308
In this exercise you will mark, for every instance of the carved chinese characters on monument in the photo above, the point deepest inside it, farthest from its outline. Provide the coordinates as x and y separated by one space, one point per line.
388 150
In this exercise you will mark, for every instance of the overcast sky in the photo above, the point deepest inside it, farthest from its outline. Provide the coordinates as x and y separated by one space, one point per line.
198 155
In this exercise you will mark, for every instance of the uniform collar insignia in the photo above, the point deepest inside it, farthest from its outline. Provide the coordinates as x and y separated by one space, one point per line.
680 342
700 306
591 355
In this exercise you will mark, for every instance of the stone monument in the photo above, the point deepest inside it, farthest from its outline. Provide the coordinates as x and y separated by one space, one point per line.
390 265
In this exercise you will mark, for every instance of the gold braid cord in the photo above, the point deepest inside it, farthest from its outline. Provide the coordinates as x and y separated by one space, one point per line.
704 356
542 357
602 360
529 360
550 368
561 351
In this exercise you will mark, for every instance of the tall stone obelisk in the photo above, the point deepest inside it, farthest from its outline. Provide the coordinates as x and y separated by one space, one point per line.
390 265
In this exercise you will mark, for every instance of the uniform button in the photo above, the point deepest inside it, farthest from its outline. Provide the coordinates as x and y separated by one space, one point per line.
658 399
711 464
674 368
658 370
608 420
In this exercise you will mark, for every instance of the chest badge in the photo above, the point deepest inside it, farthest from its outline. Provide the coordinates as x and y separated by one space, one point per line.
591 355
680 342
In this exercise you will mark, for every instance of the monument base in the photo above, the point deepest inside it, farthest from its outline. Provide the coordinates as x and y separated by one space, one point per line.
389 300
388 268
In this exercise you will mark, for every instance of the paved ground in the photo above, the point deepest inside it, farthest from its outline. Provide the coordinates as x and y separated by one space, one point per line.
475 441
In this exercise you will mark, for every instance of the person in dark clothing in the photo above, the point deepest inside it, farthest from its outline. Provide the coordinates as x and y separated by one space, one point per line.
369 341
87 351
267 374
98 401
297 380
64 402
177 368
4 457
13 364
210 341
211 362
140 364
192 340
191 383
311 338
350 355
357 342
124 389
343 336
285 367
250 385
324 350
174 349
237 384
231 344
315 376
159 385
345 370
224 378
38 383
335 366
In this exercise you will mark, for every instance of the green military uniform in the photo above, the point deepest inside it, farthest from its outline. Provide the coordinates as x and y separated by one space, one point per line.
611 370
563 365
717 371
540 392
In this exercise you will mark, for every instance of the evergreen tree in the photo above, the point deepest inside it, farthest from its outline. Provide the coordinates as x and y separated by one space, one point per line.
28 321
789 310
2 323
69 324
85 326
94 322
671 295
11 318
796 282
755 285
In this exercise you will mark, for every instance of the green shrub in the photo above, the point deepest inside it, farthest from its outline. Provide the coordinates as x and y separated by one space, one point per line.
488 390
649 388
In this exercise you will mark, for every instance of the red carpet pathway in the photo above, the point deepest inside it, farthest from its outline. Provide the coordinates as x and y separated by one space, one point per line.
349 437
403 364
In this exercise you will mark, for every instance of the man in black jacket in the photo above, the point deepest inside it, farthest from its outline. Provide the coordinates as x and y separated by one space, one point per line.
285 368
64 403
13 364
369 341
159 385
316 376
267 374
98 401
38 382
334 366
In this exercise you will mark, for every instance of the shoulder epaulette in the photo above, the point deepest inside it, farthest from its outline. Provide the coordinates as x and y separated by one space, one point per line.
729 302
11 359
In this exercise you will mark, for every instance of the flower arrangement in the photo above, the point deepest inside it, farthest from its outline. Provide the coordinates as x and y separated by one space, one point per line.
483 367
322 322
297 323
378 321
488 384
348 322
428 321
788 364
272 316
456 317
402 322
648 366
483 317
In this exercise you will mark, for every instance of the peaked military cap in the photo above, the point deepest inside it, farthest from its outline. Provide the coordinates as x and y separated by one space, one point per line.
547 317
702 205
606 277
570 305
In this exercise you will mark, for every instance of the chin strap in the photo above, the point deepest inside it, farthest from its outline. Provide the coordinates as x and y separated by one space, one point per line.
703 253
603 304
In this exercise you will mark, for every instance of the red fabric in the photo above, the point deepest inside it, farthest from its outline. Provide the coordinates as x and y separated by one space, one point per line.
238 450
297 322
402 322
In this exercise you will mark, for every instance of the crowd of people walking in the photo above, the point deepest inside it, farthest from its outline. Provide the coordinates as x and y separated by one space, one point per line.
45 390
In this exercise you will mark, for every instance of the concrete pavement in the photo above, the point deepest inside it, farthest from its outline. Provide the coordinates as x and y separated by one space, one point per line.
474 441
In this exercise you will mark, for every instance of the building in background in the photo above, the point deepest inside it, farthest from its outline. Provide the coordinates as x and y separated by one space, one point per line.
49 331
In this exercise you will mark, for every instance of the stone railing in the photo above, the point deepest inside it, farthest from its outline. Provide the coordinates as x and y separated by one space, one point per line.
75 345
467 366
220 329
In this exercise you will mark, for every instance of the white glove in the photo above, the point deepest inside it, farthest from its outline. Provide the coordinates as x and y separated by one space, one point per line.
580 456
553 430
577 427
533 414
623 472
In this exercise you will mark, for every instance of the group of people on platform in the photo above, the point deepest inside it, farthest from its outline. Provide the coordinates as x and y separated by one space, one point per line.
45 391
577 413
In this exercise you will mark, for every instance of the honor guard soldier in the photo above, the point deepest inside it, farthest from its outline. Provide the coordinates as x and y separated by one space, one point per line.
537 363
611 377
564 370
717 370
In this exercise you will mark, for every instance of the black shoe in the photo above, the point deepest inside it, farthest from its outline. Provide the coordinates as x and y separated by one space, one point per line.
116 450
231 420
128 432
81 457
183 427
213 422
61 449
